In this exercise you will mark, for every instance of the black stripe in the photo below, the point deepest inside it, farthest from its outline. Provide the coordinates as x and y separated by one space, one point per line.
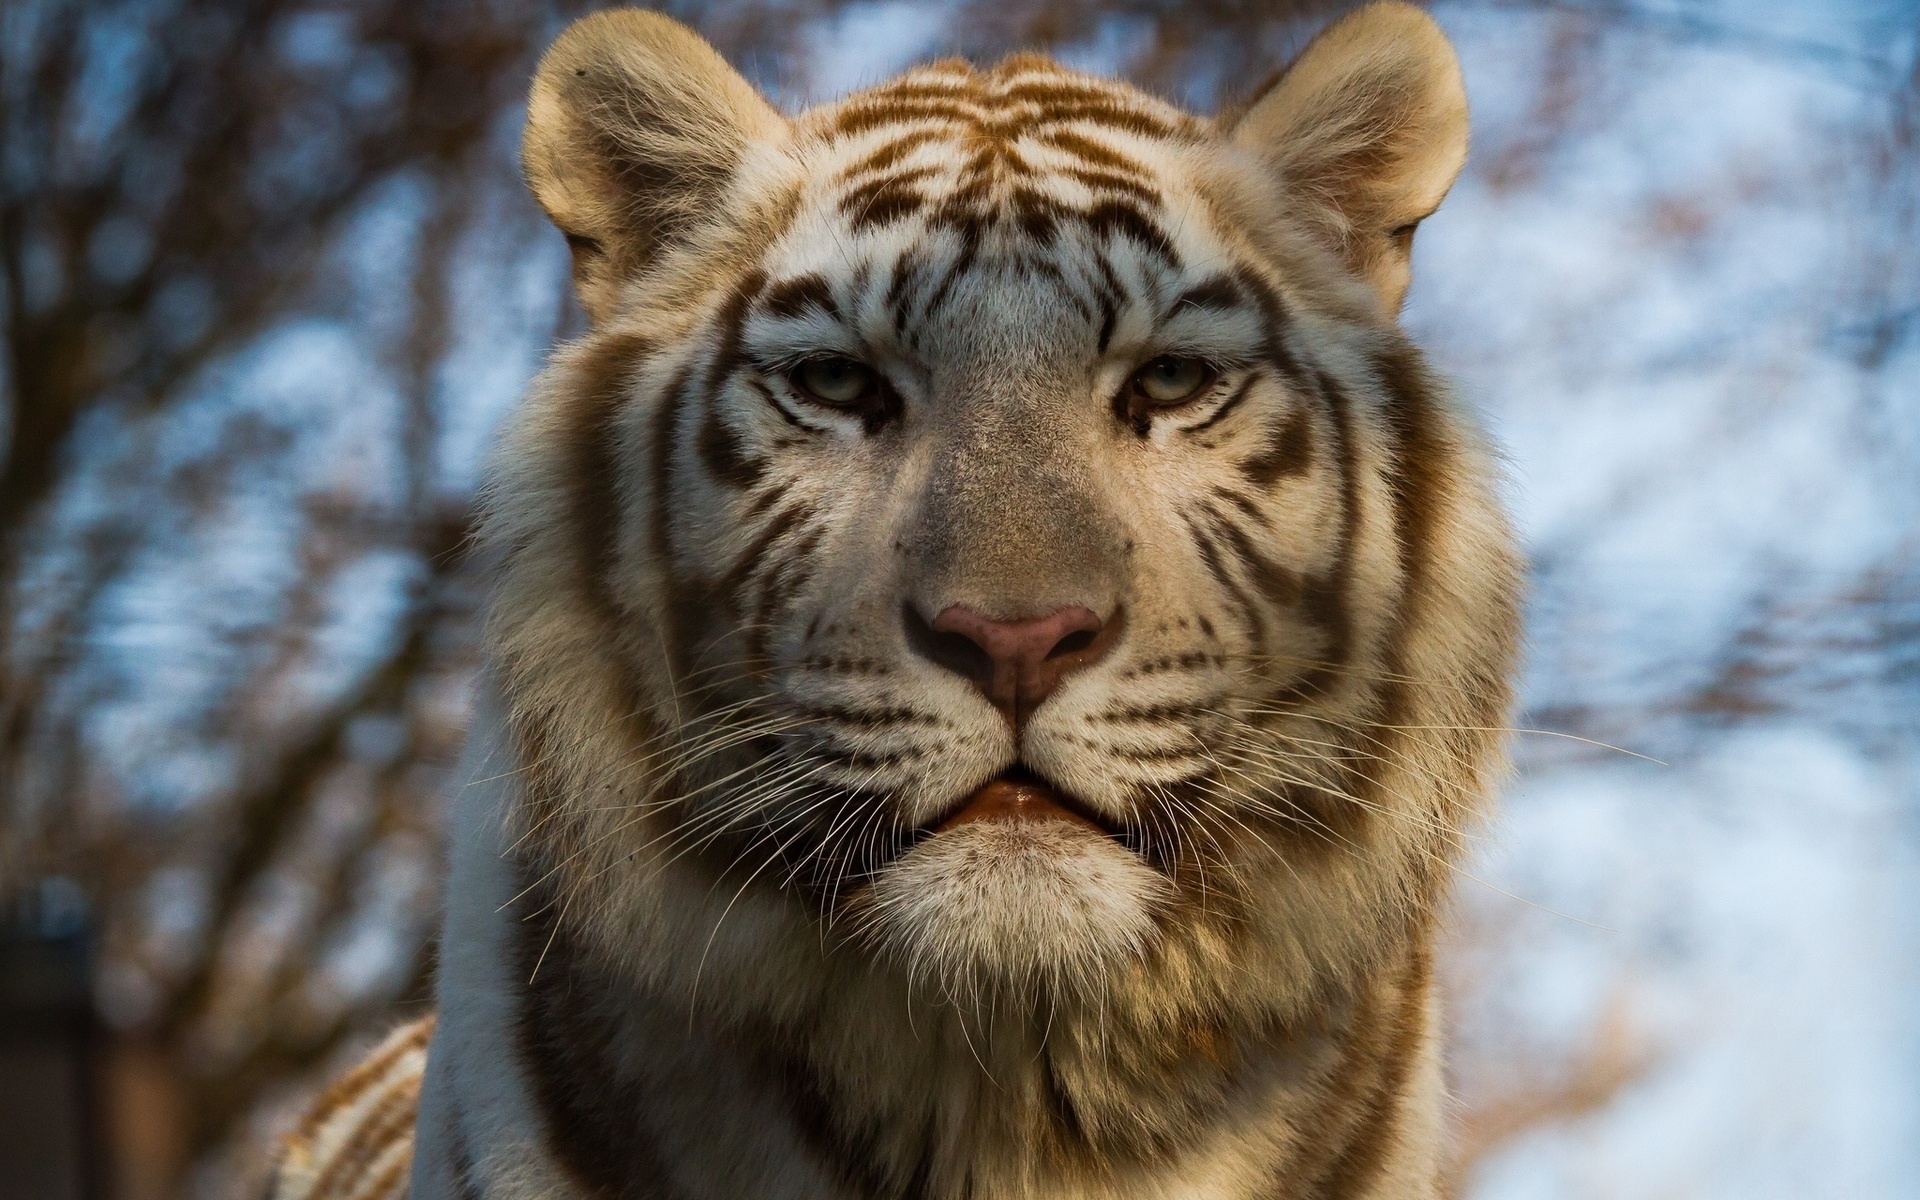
1108 110
1286 452
1093 152
736 579
732 320
1416 477
883 110
666 424
1120 218
792 418
1279 585
879 718
1244 503
681 605
1155 754
880 202
724 456
854 1154
970 233
785 578
1047 269
889 153
1276 323
1060 1105
1233 402
1111 184
1217 567
797 296
1419 487
1325 599
595 469
568 1039
1154 712
1112 295
1215 294
905 274
1037 214
1386 1036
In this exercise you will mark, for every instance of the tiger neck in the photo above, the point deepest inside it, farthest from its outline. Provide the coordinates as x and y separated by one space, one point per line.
884 1096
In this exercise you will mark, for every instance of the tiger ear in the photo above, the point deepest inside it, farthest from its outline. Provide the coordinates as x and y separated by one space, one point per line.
1368 127
635 127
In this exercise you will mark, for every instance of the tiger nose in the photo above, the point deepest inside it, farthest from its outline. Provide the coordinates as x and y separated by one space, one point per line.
1019 663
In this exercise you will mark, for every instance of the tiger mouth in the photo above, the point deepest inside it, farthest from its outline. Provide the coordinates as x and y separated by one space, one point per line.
1018 795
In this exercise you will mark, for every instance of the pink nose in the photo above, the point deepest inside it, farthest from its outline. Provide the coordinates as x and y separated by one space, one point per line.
1019 663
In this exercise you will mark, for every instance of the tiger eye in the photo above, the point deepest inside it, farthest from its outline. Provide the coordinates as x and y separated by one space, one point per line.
837 381
1171 380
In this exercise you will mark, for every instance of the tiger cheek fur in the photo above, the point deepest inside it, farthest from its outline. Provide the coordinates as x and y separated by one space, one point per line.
998 635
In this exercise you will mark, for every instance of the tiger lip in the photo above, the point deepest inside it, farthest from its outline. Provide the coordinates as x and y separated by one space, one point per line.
1019 795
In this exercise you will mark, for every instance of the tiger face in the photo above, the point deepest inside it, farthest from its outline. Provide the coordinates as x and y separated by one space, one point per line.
994 520
1026 486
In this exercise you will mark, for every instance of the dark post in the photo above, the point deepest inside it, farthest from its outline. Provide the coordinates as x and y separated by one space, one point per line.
50 1143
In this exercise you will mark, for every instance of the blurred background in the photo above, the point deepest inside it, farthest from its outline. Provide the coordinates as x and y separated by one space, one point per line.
269 282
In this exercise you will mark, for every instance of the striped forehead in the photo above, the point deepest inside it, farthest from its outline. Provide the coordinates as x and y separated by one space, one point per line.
952 179
1012 151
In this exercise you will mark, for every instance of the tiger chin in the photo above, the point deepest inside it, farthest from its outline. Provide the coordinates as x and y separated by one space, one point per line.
997 636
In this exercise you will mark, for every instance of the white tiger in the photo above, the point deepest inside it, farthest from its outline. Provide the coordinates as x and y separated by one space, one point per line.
997 637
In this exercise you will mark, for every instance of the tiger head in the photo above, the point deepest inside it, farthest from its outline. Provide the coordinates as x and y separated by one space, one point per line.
994 526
